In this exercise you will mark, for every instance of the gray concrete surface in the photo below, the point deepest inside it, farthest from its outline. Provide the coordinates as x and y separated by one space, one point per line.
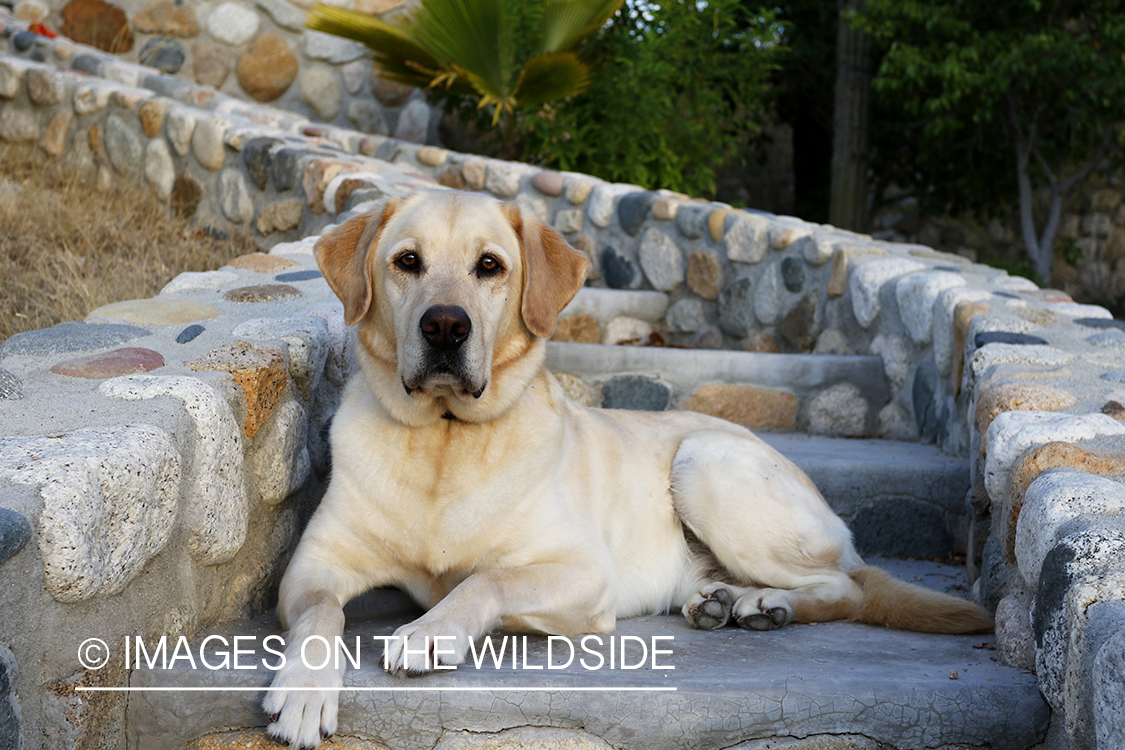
908 690
904 499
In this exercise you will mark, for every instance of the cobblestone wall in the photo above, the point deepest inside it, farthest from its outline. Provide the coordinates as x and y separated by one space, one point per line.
255 51
216 391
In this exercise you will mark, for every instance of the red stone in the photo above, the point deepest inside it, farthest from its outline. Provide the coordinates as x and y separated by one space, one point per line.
110 364
99 24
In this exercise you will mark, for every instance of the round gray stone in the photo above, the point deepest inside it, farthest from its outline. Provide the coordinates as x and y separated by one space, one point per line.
163 53
15 533
69 337
367 116
123 146
736 308
793 274
635 392
691 220
633 209
661 259
619 271
923 392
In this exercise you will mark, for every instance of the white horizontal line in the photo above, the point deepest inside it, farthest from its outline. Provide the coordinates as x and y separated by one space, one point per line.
380 689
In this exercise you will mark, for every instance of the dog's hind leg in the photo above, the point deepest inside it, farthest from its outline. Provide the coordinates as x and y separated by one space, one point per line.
771 532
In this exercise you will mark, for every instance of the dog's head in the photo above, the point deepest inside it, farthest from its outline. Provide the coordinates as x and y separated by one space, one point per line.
453 293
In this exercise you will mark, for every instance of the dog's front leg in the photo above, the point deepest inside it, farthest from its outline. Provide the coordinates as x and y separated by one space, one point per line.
303 699
557 598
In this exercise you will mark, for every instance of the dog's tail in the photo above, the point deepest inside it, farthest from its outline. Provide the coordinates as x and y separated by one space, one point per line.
895 604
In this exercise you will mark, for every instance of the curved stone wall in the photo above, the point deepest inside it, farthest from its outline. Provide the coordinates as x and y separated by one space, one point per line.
259 52
217 390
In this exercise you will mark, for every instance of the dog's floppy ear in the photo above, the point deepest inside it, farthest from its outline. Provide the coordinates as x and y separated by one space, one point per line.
553 272
342 257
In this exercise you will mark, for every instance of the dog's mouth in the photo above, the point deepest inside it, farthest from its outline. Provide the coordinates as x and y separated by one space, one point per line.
442 379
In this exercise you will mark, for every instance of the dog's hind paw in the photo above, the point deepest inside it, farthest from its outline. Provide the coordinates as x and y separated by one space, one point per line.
756 612
709 608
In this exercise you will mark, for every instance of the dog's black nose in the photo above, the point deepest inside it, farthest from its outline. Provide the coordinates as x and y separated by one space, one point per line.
446 326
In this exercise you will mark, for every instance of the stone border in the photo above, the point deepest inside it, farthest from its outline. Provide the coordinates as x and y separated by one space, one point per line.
1025 382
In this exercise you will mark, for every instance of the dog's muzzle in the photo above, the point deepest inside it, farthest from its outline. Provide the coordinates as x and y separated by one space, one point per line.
444 328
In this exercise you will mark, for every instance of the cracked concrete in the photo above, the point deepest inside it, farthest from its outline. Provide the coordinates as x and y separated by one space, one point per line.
909 691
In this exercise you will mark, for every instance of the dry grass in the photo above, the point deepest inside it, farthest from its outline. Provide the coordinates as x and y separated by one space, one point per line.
66 248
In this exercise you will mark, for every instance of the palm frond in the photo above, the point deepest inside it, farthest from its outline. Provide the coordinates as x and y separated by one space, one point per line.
566 22
387 40
470 34
549 77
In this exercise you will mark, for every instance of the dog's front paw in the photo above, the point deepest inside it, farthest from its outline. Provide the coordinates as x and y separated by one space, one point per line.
423 647
304 713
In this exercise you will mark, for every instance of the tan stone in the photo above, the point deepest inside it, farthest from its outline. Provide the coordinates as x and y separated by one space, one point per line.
261 263
841 265
665 209
280 217
95 135
345 189
576 389
258 371
581 328
451 178
782 238
584 244
1035 462
1037 315
54 137
716 223
210 65
128 99
747 405
1017 397
762 342
152 116
963 315
31 11
431 156
167 18
474 171
315 182
267 68
705 274
577 190
157 310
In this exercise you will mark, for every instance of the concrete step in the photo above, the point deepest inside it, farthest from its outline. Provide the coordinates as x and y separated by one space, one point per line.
686 369
825 682
900 499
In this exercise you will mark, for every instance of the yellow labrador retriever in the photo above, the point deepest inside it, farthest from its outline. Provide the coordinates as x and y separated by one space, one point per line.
462 474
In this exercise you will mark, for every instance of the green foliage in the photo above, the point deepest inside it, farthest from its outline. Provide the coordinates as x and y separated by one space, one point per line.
679 87
962 83
505 54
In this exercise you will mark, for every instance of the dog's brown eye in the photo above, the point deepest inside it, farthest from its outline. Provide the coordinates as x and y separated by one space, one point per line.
408 262
488 266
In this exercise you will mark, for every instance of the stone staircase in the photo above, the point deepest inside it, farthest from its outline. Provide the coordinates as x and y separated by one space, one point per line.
829 685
